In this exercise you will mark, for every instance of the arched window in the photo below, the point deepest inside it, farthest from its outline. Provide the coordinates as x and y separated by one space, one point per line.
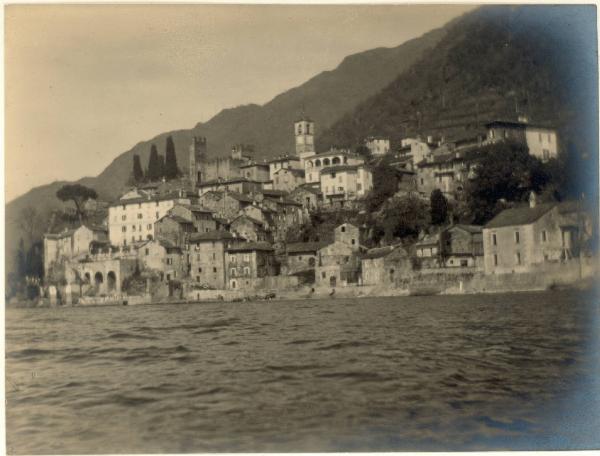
308 129
299 129
336 161
326 162
309 164
318 163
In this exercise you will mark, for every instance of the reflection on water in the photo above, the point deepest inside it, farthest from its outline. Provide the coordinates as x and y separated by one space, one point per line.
422 373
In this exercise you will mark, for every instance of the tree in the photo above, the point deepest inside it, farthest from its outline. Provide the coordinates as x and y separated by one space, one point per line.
171 171
161 166
79 194
504 173
364 152
385 185
21 261
154 167
30 222
138 173
402 217
438 207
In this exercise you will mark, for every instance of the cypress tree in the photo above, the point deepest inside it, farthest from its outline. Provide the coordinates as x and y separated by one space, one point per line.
154 168
171 169
439 207
138 173
161 166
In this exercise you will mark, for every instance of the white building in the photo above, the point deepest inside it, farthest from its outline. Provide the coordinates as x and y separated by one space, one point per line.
313 164
542 141
131 218
345 182
377 146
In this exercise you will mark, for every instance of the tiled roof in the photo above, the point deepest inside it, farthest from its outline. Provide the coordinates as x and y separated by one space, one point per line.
338 168
246 216
153 198
301 247
250 246
516 124
429 239
284 158
297 172
379 252
474 229
215 235
241 198
196 208
250 165
236 180
516 216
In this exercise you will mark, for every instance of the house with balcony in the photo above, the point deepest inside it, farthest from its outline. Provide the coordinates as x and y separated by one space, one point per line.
343 183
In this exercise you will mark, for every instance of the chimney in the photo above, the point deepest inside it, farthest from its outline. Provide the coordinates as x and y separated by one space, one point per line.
532 200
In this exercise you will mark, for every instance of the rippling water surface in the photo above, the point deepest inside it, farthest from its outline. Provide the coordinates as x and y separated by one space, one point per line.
517 371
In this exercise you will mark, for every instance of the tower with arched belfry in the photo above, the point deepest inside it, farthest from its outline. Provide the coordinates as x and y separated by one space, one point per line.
304 131
197 156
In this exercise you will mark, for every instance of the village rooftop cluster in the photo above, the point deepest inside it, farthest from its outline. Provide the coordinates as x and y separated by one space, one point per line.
221 231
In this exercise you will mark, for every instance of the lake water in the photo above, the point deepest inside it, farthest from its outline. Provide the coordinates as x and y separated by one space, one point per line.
518 371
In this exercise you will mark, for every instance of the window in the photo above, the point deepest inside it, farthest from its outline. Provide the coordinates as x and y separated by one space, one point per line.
199 269
157 213
123 217
132 227
214 256
545 154
353 241
421 181
323 275
123 207
518 257
540 137
343 229
139 216
124 229
147 251
495 260
359 187
333 175
464 263
517 238
169 261
197 278
246 257
149 226
247 270
214 269
544 236
232 272
494 240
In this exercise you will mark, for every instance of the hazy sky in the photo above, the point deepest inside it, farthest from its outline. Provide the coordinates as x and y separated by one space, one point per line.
85 83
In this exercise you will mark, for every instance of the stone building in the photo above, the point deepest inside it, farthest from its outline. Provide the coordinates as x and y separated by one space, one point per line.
287 179
304 132
427 250
240 185
308 196
163 257
257 172
202 169
250 228
199 216
448 172
377 146
302 256
283 162
338 263
385 265
226 205
207 258
173 229
522 239
105 276
462 246
131 219
70 244
541 140
248 261
342 183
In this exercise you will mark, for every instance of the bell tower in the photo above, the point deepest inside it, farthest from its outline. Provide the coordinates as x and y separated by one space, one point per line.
197 156
304 130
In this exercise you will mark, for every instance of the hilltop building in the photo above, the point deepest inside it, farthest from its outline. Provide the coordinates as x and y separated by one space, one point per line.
377 146
542 141
202 169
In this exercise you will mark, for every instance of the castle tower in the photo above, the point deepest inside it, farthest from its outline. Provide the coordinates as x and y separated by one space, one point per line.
197 155
304 130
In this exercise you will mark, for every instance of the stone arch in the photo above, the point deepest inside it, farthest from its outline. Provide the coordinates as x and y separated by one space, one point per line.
309 164
326 162
318 163
336 161
111 281
87 278
98 280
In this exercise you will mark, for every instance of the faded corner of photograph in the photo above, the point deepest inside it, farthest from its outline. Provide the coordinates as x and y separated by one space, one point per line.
301 228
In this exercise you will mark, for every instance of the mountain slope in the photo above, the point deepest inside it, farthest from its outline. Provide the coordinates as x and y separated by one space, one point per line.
326 97
495 62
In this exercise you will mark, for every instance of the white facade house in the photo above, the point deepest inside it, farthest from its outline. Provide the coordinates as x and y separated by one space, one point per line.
378 146
131 219
316 162
542 142
345 182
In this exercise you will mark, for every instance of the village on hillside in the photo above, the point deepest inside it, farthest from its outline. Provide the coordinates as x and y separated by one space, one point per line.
383 219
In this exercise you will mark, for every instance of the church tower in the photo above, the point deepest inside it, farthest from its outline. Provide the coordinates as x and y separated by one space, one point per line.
197 156
304 130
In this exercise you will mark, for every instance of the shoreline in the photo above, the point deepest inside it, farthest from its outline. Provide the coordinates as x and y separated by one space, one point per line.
349 292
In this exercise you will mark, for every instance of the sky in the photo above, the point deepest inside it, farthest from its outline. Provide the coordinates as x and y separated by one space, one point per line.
85 83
